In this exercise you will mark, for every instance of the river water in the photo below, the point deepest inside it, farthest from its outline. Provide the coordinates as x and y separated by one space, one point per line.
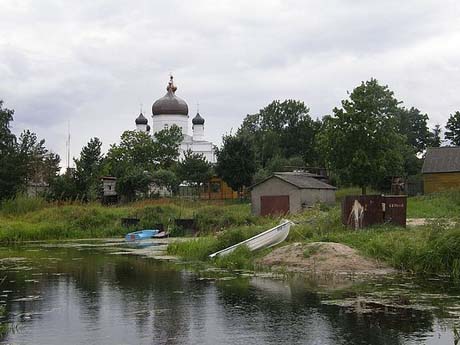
80 295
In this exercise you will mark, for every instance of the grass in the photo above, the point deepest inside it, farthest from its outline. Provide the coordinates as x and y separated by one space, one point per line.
25 219
436 205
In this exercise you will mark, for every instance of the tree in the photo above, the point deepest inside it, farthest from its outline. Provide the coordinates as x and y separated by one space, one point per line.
361 140
282 129
88 168
435 140
32 153
453 129
236 161
167 143
11 175
194 168
413 124
136 150
165 178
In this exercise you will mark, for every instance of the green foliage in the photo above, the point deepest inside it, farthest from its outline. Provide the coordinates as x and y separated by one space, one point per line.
167 143
21 204
165 178
88 170
360 140
435 205
63 187
413 125
133 182
283 129
194 168
236 161
453 129
157 214
436 136
136 150
214 218
11 174
200 248
240 258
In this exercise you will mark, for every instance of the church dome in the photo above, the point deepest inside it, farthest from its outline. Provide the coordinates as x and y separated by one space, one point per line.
141 120
170 104
198 120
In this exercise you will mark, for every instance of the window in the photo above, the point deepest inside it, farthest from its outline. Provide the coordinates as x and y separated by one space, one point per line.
166 126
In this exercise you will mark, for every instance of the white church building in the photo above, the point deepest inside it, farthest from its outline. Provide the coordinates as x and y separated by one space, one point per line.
171 110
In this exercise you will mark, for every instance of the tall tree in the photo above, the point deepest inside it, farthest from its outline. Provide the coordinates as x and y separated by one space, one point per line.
361 140
453 129
11 175
88 168
282 129
236 161
135 150
167 143
414 125
194 168
435 140
32 153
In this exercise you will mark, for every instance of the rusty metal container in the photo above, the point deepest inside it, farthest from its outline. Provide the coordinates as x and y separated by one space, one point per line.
395 209
360 211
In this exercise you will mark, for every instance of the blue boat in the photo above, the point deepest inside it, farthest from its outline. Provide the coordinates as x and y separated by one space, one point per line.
141 235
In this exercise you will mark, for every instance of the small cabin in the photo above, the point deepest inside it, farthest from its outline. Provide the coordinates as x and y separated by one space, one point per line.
290 192
441 169
109 193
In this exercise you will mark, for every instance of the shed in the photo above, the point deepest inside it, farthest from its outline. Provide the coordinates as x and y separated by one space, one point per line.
289 192
441 169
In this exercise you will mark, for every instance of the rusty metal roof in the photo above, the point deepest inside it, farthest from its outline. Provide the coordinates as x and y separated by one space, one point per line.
299 180
441 159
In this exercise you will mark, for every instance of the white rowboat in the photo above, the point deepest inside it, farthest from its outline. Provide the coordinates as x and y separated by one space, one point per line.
265 239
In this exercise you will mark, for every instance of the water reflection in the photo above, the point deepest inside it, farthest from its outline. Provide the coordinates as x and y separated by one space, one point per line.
85 296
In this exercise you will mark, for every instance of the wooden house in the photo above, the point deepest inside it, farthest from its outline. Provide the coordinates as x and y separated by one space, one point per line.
441 169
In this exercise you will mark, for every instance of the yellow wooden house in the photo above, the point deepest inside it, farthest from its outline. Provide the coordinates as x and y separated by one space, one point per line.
441 169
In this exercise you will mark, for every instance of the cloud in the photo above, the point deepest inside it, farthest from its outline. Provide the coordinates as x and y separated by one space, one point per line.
92 63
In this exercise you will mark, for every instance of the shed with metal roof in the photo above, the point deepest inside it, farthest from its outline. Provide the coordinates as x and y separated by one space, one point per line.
289 192
441 169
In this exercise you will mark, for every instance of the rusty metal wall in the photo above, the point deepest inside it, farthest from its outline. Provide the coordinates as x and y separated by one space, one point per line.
395 209
360 211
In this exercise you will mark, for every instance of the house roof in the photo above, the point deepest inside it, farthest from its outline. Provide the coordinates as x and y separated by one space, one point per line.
300 180
441 159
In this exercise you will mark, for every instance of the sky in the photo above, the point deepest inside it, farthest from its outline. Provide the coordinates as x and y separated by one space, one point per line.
92 64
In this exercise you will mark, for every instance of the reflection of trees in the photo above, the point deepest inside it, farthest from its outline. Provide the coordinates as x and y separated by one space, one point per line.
297 316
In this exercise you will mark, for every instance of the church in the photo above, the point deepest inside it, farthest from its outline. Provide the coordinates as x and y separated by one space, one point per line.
171 110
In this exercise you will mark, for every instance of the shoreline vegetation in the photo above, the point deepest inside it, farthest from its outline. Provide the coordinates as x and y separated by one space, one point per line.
432 248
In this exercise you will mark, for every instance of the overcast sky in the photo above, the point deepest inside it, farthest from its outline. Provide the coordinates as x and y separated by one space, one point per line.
92 63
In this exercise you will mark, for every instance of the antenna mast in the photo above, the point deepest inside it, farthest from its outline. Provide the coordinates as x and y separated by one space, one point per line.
67 144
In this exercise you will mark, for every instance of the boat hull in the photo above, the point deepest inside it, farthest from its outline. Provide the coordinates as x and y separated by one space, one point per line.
266 239
140 235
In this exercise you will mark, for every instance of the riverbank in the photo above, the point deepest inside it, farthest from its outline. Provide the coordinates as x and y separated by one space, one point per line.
430 248
33 219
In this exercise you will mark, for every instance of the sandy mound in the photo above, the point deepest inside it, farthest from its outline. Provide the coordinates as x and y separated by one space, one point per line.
322 257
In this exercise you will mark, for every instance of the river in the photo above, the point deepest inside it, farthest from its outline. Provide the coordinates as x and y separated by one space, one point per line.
91 295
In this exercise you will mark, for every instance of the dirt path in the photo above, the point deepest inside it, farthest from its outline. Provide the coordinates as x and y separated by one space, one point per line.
321 258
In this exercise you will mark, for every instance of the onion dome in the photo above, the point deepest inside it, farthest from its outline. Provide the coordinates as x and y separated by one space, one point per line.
170 104
141 120
198 120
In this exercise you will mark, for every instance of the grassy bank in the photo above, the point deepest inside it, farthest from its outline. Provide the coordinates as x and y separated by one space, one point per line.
430 249
25 219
